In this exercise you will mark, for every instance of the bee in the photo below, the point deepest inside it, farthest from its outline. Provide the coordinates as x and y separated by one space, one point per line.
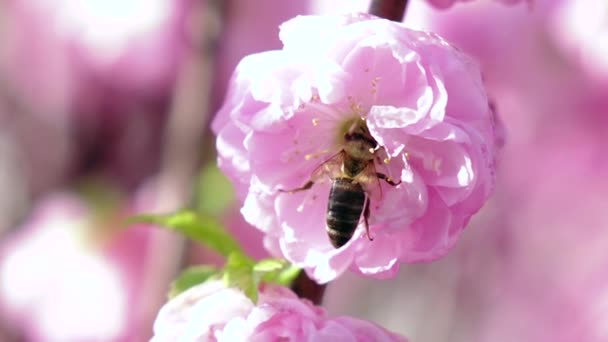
352 168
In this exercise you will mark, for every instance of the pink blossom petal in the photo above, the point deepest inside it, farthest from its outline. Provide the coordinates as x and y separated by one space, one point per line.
430 234
380 258
210 312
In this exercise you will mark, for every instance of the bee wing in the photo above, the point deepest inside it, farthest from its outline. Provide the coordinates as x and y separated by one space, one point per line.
331 167
368 177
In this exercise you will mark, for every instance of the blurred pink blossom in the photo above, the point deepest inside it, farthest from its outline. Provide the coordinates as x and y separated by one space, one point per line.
87 84
212 312
285 113
66 275
448 3
580 27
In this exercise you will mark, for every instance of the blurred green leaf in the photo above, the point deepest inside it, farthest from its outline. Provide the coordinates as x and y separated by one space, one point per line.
287 275
238 273
192 276
269 265
277 271
214 191
201 228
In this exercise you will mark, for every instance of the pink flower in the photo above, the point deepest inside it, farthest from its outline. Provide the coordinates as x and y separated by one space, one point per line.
212 312
422 102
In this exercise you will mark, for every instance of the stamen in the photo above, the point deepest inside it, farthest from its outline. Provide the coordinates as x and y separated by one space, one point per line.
326 110
387 160
309 156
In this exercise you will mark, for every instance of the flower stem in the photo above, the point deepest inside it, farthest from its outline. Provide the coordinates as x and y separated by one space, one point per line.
307 288
388 9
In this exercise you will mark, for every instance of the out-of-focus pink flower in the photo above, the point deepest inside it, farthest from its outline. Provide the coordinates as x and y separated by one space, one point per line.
448 3
212 312
51 280
133 44
444 3
90 82
423 103
62 279
580 28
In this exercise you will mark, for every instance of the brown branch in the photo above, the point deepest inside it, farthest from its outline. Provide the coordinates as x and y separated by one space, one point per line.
388 9
307 288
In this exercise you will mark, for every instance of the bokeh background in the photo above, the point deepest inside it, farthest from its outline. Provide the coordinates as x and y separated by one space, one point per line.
104 113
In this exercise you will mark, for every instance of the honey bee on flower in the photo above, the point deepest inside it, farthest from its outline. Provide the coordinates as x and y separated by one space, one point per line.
412 101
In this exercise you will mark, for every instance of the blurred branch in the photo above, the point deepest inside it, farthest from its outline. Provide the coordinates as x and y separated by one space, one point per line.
307 288
389 9
184 133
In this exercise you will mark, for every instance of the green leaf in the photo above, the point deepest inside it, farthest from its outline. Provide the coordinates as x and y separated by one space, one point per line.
201 228
287 276
238 273
277 271
192 276
269 265
214 191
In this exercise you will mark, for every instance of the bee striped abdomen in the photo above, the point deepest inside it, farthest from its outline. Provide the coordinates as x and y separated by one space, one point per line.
346 200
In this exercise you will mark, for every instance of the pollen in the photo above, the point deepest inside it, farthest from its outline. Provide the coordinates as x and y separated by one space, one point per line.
315 155
375 84
387 160
315 121
355 107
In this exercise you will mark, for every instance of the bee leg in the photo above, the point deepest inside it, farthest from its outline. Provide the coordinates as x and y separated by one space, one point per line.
306 186
366 217
387 179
